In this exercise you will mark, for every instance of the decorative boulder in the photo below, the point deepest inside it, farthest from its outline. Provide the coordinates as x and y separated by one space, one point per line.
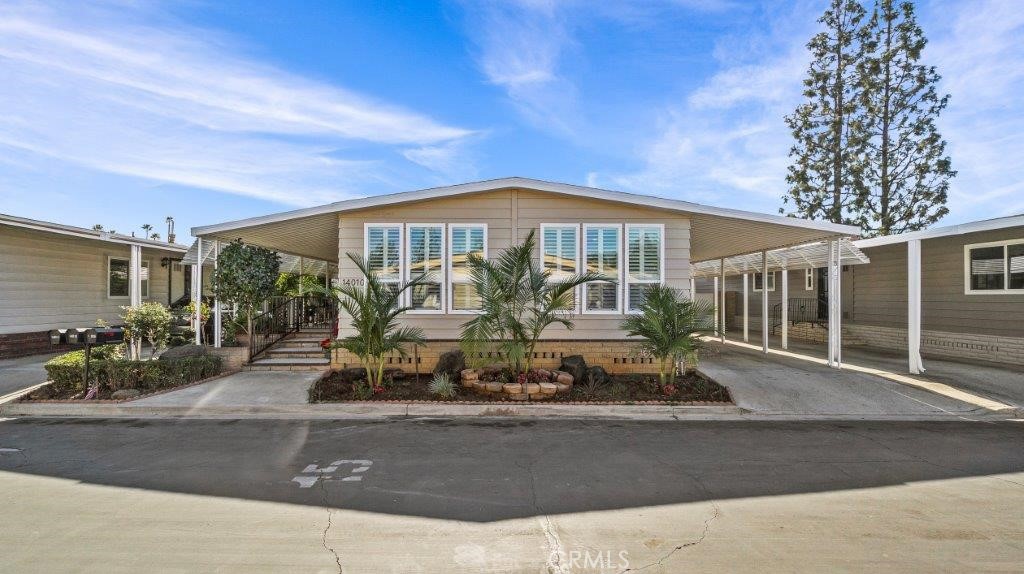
598 376
470 375
125 394
512 388
532 388
560 388
394 373
494 387
564 379
352 373
548 388
452 363
184 352
480 387
575 366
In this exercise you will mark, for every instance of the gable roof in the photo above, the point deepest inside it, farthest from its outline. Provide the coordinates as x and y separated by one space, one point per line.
961 229
715 231
73 231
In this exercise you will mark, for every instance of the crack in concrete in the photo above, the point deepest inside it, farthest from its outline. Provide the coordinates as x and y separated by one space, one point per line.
707 526
553 565
330 522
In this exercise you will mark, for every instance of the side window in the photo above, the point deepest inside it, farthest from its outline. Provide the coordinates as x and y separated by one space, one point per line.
383 252
117 277
425 256
644 261
463 240
994 267
559 249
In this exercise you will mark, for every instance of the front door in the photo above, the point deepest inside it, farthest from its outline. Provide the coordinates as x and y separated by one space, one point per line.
822 278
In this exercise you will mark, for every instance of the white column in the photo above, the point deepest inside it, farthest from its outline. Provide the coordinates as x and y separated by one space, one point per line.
302 268
746 309
197 293
834 305
785 307
693 287
218 321
135 276
718 331
914 361
721 300
764 301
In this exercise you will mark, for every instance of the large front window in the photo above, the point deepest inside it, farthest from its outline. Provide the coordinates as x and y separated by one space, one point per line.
995 267
645 255
602 253
464 240
383 251
425 252
118 274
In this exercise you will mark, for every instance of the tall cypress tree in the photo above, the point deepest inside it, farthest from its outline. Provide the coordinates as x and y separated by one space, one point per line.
906 171
825 177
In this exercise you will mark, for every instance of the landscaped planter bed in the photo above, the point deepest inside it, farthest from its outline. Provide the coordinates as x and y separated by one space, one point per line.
690 389
105 396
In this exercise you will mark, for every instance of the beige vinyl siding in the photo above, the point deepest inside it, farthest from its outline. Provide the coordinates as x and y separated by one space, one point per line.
49 280
881 289
513 213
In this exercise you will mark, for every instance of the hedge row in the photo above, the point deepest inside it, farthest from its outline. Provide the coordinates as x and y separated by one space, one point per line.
67 372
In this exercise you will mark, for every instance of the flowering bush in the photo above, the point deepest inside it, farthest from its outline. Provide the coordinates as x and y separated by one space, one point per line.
326 344
668 389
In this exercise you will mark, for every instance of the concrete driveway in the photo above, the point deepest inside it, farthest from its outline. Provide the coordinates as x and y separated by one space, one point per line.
779 385
17 374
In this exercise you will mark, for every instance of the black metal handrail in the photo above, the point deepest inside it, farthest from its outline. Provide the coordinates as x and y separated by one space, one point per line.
286 315
801 310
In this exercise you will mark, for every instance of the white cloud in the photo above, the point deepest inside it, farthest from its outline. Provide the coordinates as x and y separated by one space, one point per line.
184 106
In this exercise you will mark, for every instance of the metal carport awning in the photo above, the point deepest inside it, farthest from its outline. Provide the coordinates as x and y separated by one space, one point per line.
289 263
807 256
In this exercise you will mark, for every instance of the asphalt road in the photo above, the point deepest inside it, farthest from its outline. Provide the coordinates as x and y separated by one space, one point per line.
492 495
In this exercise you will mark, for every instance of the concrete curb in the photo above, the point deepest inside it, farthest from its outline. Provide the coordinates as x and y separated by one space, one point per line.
374 411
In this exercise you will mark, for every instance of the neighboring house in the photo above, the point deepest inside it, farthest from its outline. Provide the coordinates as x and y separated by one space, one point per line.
639 240
971 291
59 276
971 294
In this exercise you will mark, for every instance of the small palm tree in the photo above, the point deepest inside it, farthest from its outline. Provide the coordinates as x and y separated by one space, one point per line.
518 302
668 325
146 228
374 309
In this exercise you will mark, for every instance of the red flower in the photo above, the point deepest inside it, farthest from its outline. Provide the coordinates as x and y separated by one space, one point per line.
325 344
669 389
378 389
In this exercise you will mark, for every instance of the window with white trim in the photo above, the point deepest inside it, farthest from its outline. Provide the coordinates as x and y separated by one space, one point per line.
559 248
602 253
119 274
994 267
425 256
808 279
759 279
463 240
383 251
645 261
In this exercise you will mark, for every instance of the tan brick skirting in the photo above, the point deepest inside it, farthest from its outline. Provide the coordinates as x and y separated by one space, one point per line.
615 356
990 348
232 358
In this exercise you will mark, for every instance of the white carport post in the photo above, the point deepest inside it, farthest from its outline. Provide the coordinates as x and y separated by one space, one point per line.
693 287
718 329
785 307
302 269
835 323
746 310
135 276
914 361
721 309
217 318
764 301
197 293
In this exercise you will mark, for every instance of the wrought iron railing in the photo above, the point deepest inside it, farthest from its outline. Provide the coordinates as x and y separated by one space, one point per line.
286 315
801 310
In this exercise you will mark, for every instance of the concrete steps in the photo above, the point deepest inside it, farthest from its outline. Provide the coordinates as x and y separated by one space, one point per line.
296 352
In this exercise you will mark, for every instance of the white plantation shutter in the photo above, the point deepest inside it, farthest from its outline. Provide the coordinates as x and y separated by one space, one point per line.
383 251
644 250
426 257
559 246
602 254
465 239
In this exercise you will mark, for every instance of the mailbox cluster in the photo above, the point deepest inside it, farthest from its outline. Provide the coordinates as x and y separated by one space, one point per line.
91 336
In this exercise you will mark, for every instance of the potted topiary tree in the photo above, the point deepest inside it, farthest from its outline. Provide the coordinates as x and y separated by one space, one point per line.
246 275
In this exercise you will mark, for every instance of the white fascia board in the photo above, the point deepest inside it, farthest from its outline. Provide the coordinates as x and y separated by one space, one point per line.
72 231
961 229
527 183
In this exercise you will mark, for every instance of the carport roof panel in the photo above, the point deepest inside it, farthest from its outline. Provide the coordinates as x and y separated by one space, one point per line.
809 256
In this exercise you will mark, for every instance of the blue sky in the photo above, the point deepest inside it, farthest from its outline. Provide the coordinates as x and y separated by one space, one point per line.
125 111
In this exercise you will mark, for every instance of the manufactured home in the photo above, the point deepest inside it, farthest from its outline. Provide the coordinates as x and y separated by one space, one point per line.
58 276
638 240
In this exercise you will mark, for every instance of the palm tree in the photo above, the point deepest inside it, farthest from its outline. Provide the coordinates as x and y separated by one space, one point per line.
146 228
518 302
97 227
668 326
154 236
374 309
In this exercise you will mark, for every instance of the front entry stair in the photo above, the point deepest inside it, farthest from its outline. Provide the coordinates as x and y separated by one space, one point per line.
296 352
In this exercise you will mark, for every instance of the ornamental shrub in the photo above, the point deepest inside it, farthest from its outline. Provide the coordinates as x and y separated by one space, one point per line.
150 321
112 371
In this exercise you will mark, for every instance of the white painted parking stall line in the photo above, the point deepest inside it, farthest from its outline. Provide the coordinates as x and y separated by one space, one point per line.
313 472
